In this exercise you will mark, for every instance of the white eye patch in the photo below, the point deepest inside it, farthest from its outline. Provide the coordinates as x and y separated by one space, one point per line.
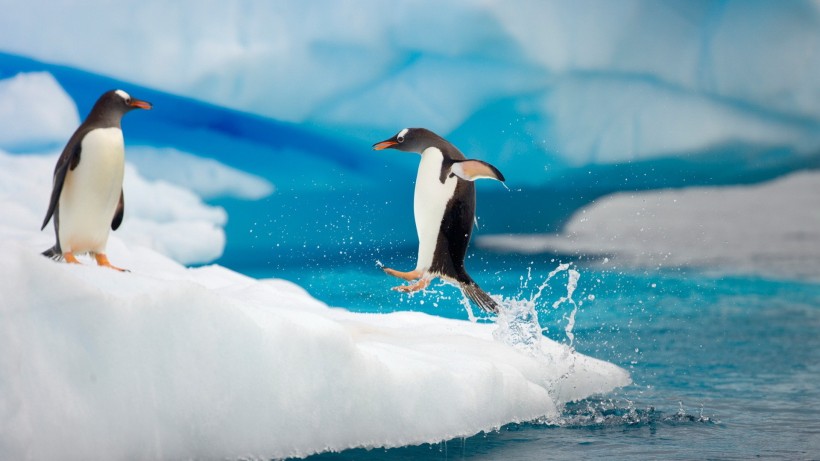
123 95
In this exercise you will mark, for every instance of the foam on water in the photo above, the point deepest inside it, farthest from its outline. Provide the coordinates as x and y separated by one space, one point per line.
601 413
518 325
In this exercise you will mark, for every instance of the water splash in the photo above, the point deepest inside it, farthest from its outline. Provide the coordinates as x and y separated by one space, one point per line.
517 326
572 284
517 322
469 308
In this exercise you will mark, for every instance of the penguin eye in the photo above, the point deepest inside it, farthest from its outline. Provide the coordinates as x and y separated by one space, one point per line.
128 101
400 138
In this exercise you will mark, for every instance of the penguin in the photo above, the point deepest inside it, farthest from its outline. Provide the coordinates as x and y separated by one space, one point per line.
87 195
444 209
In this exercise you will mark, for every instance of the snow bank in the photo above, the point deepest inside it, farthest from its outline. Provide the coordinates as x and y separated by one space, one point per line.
207 178
771 229
172 220
157 214
35 112
167 362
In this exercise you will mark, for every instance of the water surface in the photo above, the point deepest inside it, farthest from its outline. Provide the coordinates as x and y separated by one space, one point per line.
723 367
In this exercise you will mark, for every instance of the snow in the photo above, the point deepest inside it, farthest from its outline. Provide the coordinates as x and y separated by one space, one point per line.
770 229
158 215
35 112
207 178
169 362
172 220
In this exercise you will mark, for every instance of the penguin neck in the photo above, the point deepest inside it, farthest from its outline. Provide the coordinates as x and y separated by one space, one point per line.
103 119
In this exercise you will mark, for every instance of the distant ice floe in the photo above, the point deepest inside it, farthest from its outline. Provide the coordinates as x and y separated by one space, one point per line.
770 229
35 112
169 362
208 178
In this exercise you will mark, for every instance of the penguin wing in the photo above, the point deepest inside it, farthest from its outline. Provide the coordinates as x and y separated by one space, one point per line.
475 169
68 160
115 224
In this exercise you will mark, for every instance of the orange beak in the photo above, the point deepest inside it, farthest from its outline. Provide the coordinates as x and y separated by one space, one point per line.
384 145
141 104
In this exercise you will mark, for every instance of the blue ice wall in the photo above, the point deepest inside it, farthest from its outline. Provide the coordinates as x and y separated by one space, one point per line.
571 100
338 200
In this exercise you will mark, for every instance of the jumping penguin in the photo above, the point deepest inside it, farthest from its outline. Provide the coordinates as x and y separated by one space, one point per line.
444 209
87 193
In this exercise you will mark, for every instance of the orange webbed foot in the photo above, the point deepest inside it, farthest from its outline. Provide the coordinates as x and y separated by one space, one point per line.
418 286
102 260
409 276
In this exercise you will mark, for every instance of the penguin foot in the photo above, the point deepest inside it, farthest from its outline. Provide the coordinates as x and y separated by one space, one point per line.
70 258
102 260
418 286
409 276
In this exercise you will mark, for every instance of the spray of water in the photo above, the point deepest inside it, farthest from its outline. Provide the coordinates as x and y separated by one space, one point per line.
572 284
517 324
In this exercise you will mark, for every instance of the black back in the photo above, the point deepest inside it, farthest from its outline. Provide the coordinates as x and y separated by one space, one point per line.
455 233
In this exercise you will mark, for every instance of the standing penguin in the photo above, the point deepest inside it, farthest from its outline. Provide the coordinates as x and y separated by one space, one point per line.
444 208
87 196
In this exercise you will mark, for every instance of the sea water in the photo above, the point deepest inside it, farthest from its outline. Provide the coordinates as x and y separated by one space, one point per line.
723 367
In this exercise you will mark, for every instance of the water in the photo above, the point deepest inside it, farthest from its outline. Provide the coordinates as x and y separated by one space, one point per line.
723 367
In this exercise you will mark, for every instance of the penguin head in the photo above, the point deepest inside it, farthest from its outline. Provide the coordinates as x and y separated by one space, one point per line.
411 140
113 104
120 101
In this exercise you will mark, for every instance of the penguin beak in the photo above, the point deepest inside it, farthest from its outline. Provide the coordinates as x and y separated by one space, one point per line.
141 104
384 144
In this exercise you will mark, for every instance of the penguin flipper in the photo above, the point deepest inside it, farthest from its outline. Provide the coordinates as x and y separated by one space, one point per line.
57 189
475 169
115 224
68 160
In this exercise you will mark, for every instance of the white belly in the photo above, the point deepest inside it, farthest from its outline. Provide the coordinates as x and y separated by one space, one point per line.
91 192
429 203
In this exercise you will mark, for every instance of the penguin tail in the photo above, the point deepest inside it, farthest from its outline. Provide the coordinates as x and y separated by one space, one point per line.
53 253
478 296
